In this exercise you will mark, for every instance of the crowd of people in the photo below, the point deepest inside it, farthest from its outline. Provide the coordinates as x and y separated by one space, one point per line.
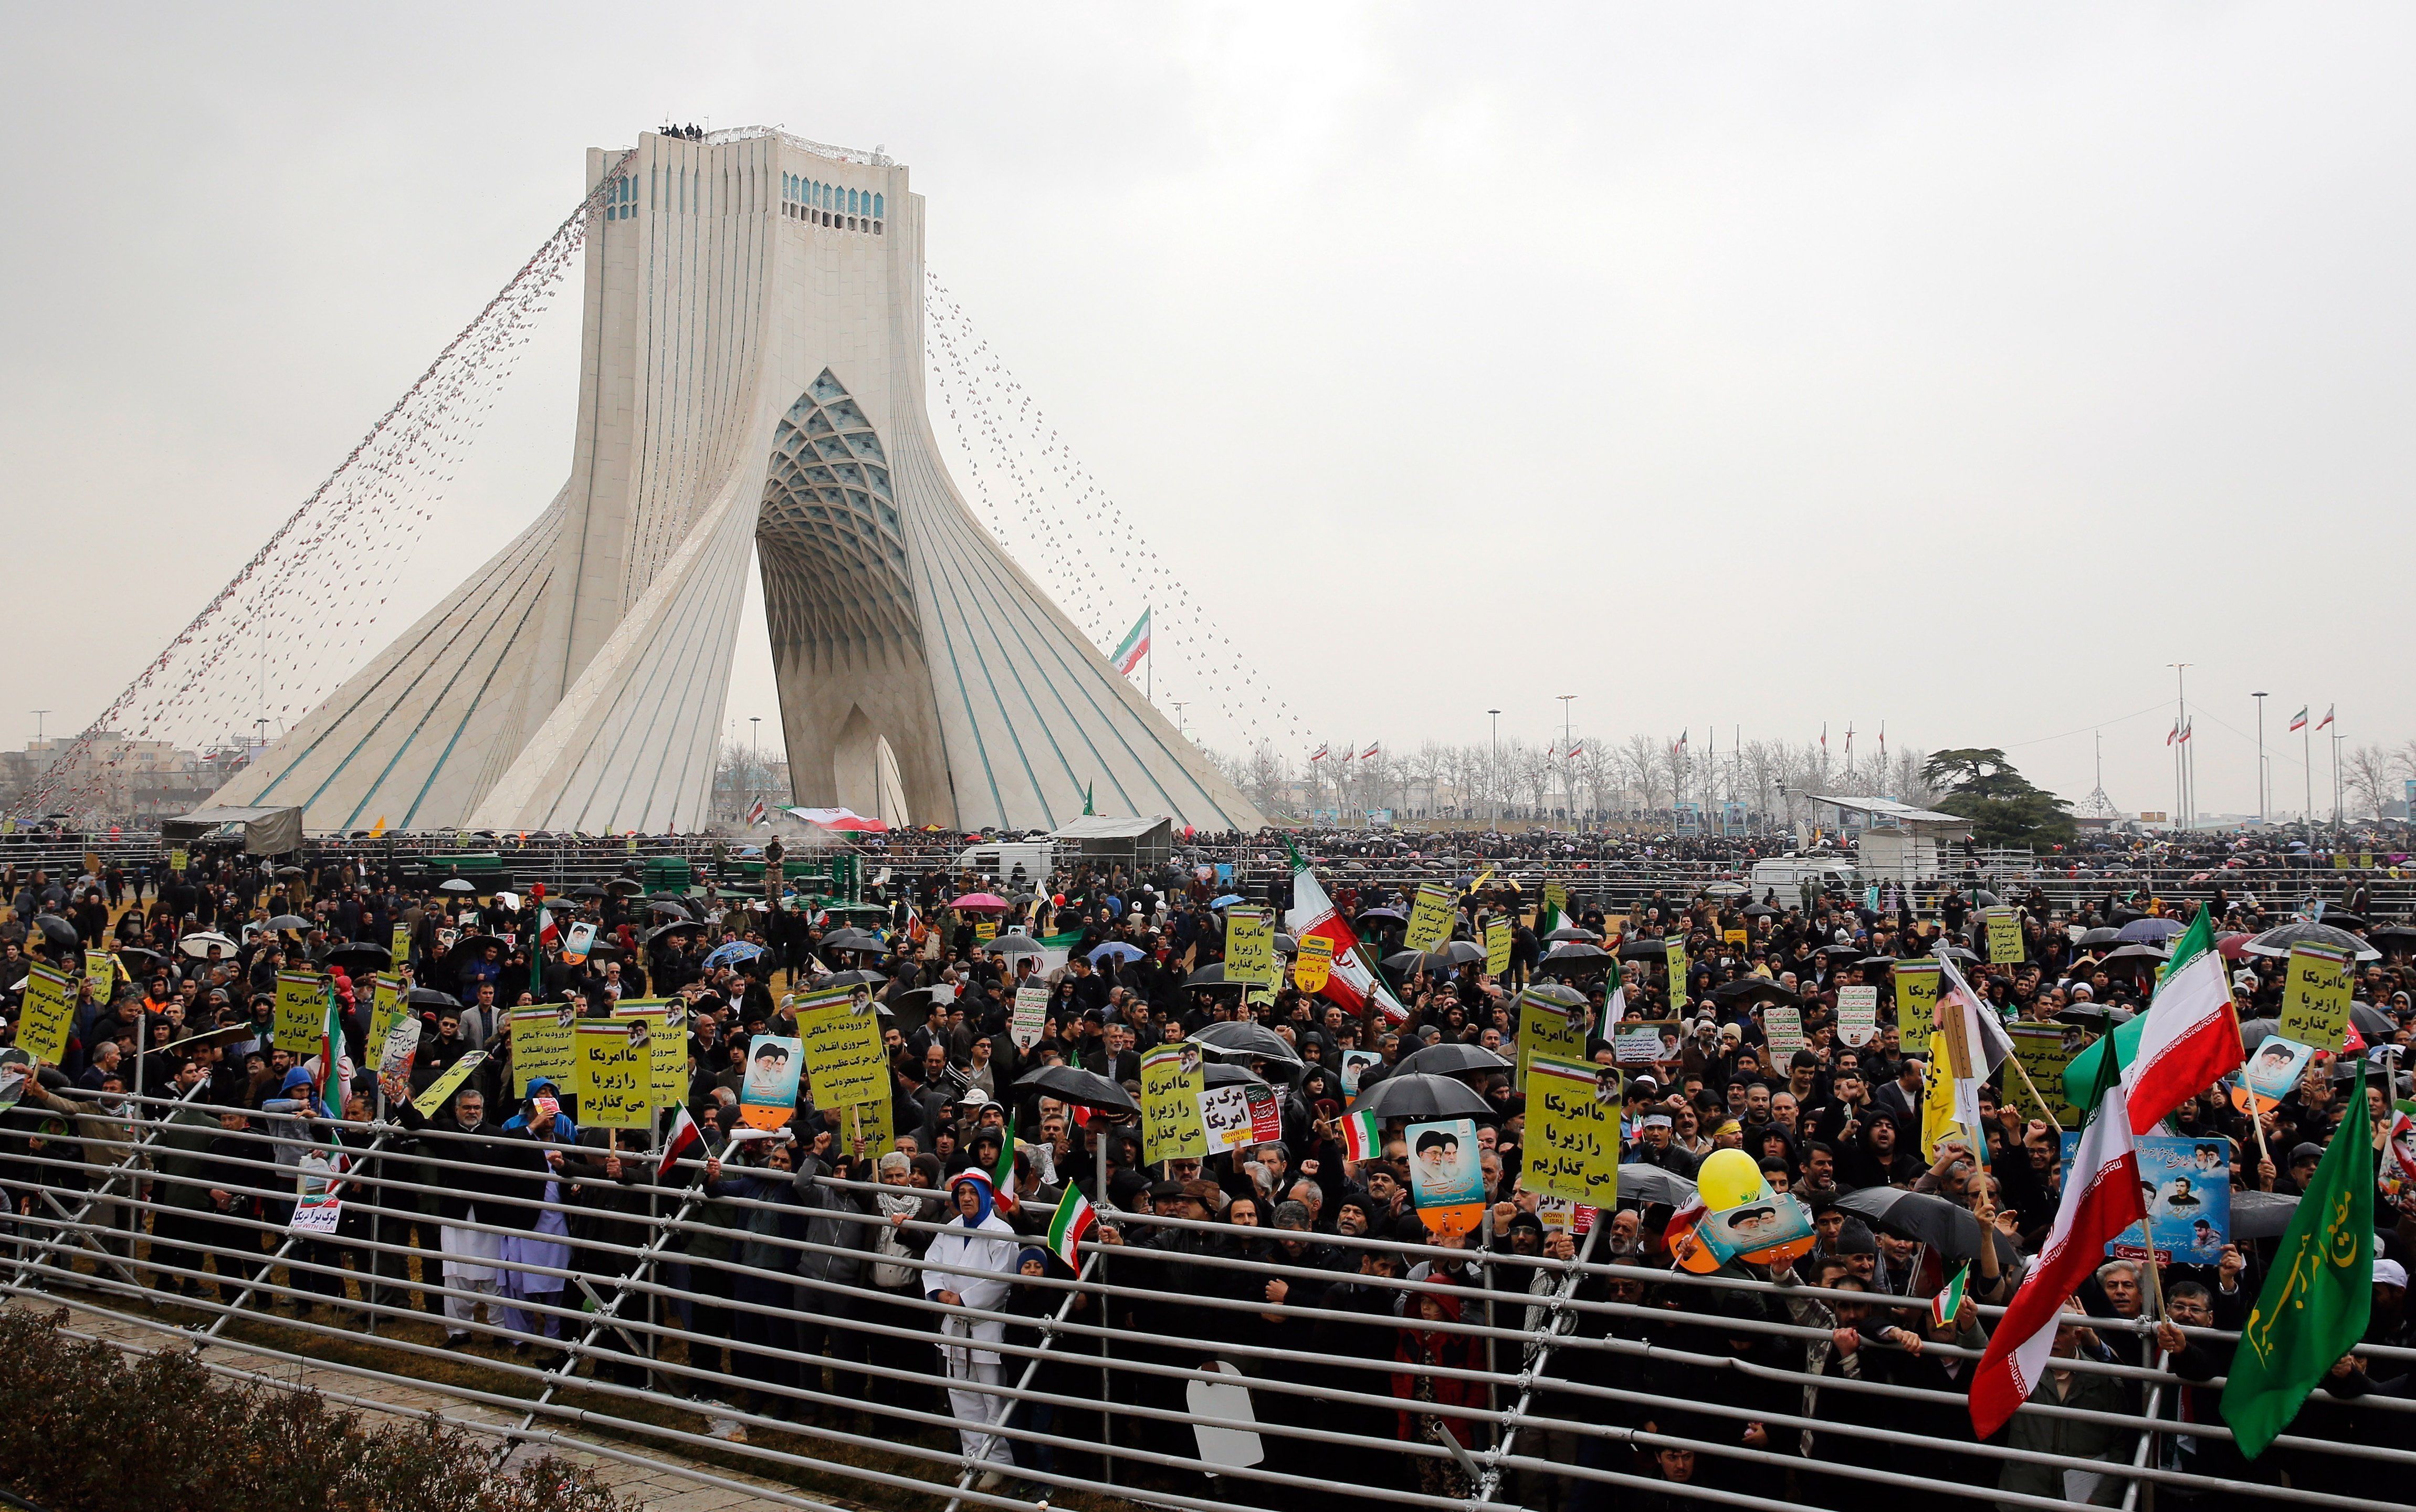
914 1267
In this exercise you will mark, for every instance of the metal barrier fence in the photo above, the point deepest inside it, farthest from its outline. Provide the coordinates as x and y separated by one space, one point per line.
1536 1382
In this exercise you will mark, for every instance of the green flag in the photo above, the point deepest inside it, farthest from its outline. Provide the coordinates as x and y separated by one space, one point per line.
2081 1072
2317 1294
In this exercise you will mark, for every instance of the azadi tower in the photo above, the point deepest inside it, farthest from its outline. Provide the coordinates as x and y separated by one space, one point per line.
751 386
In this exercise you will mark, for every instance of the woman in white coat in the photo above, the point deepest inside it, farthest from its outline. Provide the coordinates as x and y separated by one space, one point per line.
972 1264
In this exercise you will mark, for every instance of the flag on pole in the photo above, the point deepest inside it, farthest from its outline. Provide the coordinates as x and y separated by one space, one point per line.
1074 1221
1001 1176
1317 755
1949 1301
2188 1039
2328 715
1354 981
755 814
2101 1198
331 1046
685 1137
1088 787
2174 733
1134 646
1361 1138
2186 729
2318 1292
1577 751
1369 754
1975 1040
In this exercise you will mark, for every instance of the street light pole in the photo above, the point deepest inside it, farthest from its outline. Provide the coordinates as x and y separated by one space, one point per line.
2261 817
1493 779
1568 775
2180 746
755 752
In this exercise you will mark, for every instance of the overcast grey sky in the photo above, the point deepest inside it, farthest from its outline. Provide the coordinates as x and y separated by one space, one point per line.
1960 367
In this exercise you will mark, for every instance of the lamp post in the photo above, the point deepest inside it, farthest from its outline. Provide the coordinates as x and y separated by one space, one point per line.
2261 816
1493 776
755 752
1568 773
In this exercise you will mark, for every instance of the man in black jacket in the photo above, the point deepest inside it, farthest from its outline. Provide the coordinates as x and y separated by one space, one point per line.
479 1170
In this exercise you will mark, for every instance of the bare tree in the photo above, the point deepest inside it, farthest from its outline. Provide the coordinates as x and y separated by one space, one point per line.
2368 776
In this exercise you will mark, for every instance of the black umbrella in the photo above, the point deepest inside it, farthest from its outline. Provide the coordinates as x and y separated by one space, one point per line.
1559 994
1946 1227
585 890
2372 1021
1451 1059
1574 951
56 931
142 960
1877 963
1286 945
853 939
624 887
2101 935
2091 1017
1644 950
851 978
1220 1074
1839 950
2261 1215
1956 953
675 927
1463 952
361 956
1245 1040
2399 939
289 873
1574 931
2253 1032
1650 1184
1070 1083
1752 989
1392 914
2277 942
427 997
1409 961
1759 911
470 943
1416 1095
669 909
2339 920
1213 977
289 921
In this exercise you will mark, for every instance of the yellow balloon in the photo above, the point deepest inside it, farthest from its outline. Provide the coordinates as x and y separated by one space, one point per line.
1728 1178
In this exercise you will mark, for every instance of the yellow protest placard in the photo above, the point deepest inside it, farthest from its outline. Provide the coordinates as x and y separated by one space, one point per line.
845 1062
301 1009
400 948
1171 1078
2316 997
543 1048
867 1129
1313 965
667 1030
2043 1050
1430 917
1916 1001
1937 1120
1497 946
2005 947
1573 1118
1736 937
46 1015
1556 900
1250 946
984 930
1677 954
443 1087
179 858
386 1011
614 1073
100 969
1547 1028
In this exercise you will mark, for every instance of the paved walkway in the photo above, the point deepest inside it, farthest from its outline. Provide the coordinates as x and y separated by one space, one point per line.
658 1485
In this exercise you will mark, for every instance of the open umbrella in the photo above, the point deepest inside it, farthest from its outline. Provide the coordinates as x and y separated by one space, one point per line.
735 953
1463 952
585 891
844 978
1877 963
1559 994
1287 945
198 942
1759 911
1016 945
1650 1184
1212 976
141 962
1228 901
1570 950
2398 939
1393 915
675 927
1451 1059
1839 952
1221 1074
427 997
1946 1227
1423 1096
2149 931
1245 1040
2339 919
1574 931
2101 935
457 885
1117 950
2261 1215
360 956
1409 961
2372 1021
1723 890
2278 940
1644 950
1956 953
1751 990
289 873
980 903
853 939
1088 1089
289 921
623 887
666 908
59 934
472 944
2136 952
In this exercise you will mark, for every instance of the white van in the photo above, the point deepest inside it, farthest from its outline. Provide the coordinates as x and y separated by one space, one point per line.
1787 875
1038 859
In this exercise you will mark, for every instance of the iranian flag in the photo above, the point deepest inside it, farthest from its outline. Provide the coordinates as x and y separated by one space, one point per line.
331 1049
1134 646
685 1137
1075 1219
1355 981
2186 1041
2101 1198
1002 1176
1361 1138
1949 1301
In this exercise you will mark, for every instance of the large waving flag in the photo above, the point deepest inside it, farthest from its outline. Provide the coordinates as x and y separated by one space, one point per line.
1134 646
1355 981
2101 1198
2318 1294
2186 1041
